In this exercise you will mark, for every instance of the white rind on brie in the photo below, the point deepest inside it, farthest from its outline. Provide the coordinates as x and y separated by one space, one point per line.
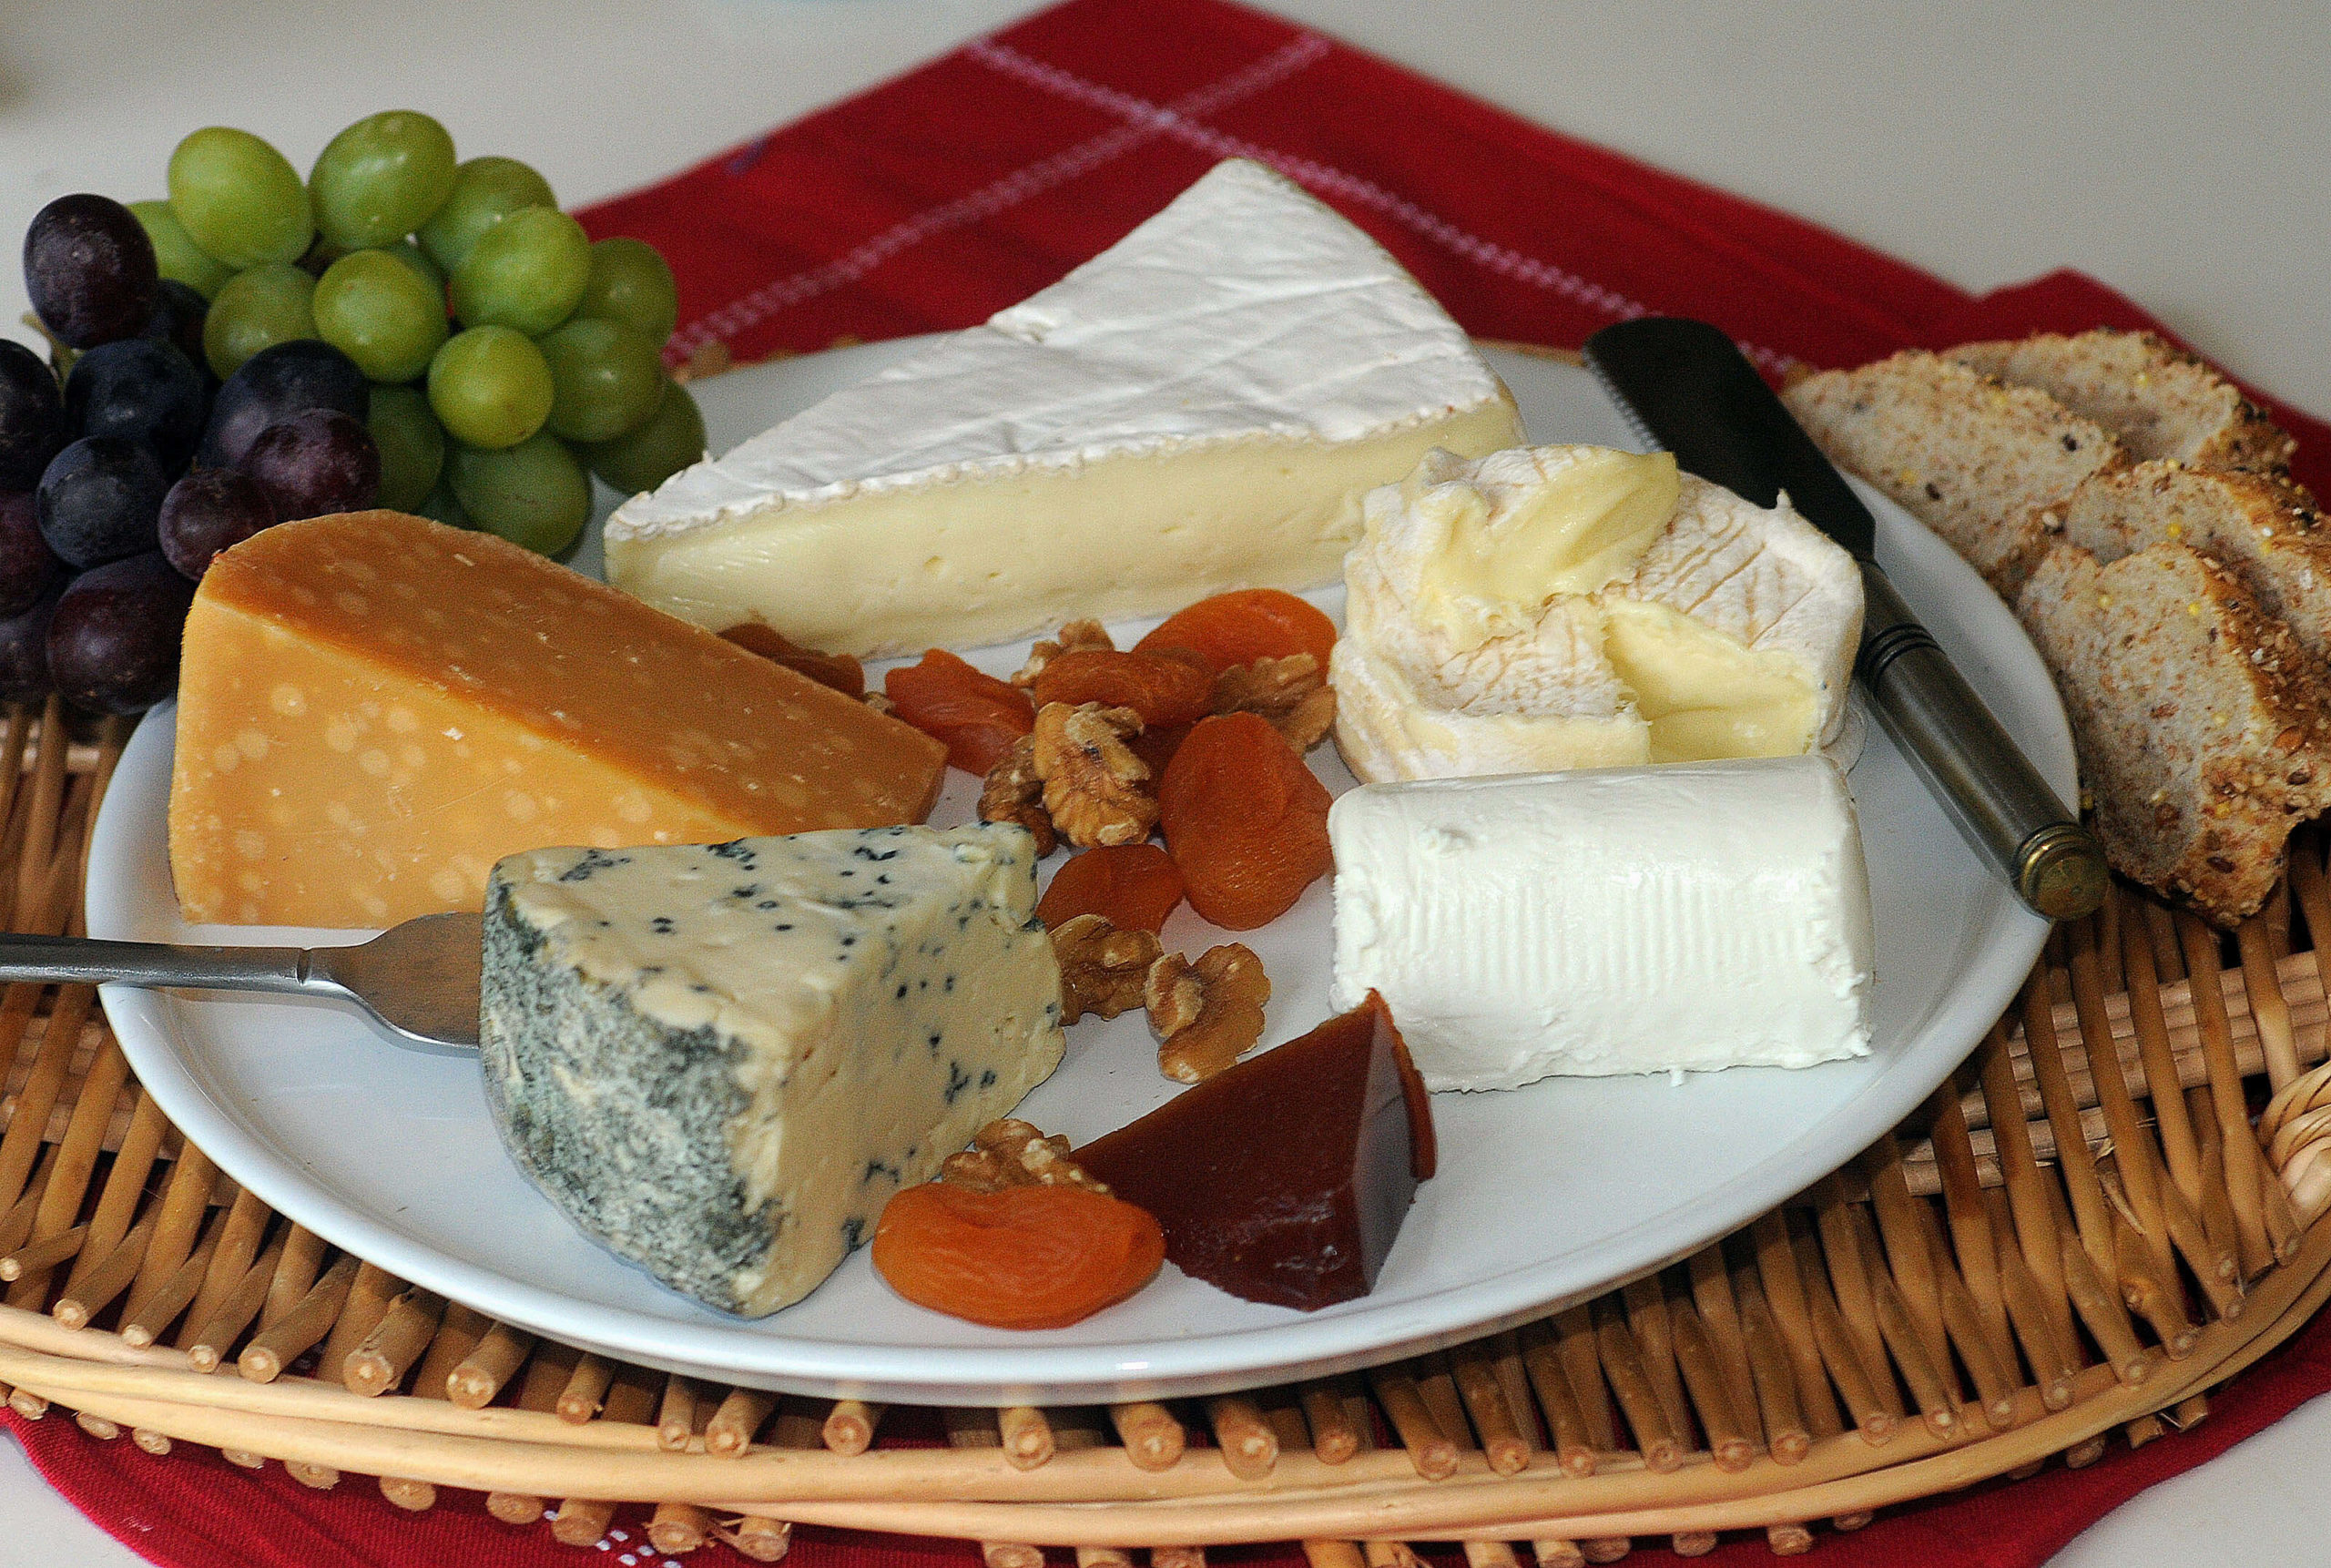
1199 407
1730 631
1641 920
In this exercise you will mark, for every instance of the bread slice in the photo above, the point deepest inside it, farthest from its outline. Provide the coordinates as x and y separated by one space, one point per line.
2262 527
1981 463
2201 723
2160 401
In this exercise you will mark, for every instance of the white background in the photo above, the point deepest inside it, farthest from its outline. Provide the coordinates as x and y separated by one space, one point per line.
2177 152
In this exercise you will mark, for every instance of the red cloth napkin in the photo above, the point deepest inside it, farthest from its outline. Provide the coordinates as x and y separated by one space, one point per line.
937 198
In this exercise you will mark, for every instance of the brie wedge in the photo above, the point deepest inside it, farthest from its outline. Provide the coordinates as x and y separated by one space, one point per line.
1638 919
1570 606
1200 407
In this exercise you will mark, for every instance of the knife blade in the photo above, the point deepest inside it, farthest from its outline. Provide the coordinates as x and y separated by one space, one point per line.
1684 387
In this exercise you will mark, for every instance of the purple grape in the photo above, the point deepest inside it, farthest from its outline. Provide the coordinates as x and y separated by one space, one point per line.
140 389
26 564
32 427
23 645
179 314
210 510
273 385
90 270
113 644
99 498
316 462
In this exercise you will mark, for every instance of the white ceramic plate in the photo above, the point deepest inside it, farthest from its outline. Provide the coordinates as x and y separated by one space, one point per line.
1545 1194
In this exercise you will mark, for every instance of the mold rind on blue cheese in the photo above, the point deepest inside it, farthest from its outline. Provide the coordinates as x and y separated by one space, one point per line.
721 1061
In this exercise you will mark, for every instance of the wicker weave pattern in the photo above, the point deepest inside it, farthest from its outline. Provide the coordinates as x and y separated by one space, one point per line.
2046 1252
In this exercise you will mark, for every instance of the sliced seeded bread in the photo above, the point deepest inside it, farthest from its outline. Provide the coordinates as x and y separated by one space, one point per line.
2262 527
2160 401
2201 723
1979 463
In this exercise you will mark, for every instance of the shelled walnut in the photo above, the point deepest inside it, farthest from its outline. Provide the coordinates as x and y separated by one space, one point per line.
1096 790
1102 969
1013 792
1206 1014
1011 1153
1293 693
1074 637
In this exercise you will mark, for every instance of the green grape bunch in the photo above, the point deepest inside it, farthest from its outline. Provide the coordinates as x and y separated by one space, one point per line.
509 356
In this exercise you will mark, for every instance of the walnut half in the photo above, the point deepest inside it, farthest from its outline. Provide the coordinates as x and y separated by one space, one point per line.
1012 793
1095 789
1011 1153
1293 693
1100 968
1206 1014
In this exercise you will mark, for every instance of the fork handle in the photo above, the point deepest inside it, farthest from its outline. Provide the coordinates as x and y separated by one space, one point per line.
95 963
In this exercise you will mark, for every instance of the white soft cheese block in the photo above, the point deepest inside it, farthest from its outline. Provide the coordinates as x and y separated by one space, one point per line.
1626 920
1200 407
1724 629
722 1061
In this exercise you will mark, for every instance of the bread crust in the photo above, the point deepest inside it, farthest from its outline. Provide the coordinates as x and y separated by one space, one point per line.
2262 527
2161 401
2201 723
1986 466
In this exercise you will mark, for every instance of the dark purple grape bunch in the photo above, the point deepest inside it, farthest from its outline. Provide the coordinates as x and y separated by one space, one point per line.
126 466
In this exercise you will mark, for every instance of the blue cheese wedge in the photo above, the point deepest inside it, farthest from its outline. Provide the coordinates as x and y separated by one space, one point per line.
721 1061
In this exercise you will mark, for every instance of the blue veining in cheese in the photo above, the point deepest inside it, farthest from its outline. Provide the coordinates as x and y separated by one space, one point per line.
722 1060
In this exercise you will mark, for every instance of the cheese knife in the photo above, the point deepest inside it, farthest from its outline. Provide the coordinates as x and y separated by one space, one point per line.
420 980
1684 387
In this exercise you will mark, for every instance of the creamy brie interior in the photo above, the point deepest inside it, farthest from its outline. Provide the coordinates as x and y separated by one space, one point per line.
1567 606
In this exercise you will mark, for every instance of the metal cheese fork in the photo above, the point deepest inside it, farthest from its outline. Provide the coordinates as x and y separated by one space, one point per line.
420 979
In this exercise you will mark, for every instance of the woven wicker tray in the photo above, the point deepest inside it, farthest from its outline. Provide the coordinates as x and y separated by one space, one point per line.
2066 1241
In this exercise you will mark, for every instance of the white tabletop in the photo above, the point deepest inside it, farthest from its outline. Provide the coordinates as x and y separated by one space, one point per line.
2176 154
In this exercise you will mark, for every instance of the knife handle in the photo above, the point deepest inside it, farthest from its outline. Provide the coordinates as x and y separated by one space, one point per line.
1998 800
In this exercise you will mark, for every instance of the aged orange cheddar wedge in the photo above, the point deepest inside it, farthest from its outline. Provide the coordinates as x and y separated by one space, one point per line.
374 709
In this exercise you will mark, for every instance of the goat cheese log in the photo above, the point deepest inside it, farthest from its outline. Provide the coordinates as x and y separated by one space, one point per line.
721 1061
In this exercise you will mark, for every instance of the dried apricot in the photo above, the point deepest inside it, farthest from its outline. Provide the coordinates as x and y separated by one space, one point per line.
1241 626
1245 820
1155 747
1165 692
975 715
840 671
1019 1258
1134 886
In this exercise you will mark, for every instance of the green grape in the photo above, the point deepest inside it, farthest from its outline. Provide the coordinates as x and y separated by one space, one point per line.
486 192
176 251
490 387
605 379
412 443
533 493
381 179
527 272
239 199
441 505
415 256
671 439
258 310
631 283
381 313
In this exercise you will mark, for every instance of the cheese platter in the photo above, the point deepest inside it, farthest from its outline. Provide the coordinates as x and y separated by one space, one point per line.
1545 1193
